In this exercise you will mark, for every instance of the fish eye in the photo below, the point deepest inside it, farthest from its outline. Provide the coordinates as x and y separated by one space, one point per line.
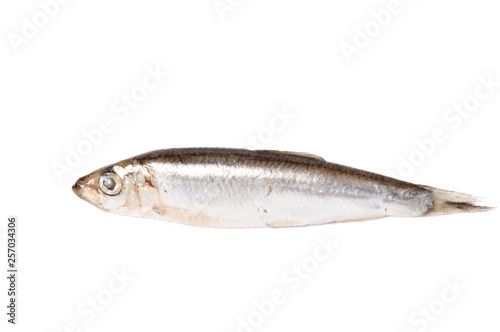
110 183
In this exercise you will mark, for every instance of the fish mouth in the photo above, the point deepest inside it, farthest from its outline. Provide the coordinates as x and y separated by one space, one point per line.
86 188
75 189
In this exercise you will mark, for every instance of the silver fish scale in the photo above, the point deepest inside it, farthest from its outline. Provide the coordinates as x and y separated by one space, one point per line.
216 187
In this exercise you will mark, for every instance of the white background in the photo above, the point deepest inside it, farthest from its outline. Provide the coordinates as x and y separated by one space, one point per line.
227 77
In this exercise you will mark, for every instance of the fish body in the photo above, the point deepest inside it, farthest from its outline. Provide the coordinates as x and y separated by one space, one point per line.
232 188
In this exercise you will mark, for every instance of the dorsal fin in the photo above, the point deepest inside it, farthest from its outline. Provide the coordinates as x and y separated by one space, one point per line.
292 153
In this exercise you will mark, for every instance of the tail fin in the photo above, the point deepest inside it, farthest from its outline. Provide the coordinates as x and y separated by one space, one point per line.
447 202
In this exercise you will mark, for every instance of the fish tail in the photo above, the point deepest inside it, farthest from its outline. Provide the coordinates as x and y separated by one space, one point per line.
448 202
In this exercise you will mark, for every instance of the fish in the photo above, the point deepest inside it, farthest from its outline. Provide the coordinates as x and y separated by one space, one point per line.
240 188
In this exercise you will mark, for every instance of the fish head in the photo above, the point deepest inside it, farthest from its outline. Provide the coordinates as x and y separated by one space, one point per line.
125 188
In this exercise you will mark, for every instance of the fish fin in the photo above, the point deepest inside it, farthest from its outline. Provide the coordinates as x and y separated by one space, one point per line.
292 153
448 202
